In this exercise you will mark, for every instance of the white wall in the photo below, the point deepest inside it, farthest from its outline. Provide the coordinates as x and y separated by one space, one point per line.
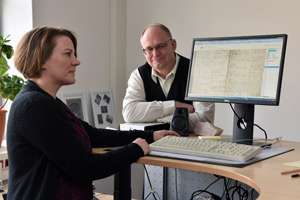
203 18
11 13
90 20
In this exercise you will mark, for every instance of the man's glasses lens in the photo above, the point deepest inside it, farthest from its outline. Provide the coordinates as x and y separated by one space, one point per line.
149 50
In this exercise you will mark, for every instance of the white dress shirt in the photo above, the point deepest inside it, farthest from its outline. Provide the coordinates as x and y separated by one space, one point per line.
137 109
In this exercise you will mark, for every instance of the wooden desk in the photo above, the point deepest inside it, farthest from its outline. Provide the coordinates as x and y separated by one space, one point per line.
263 176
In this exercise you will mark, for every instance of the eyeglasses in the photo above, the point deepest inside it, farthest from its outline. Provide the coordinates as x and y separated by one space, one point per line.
158 47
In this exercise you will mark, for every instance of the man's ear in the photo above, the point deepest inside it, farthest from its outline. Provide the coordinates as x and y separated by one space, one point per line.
174 44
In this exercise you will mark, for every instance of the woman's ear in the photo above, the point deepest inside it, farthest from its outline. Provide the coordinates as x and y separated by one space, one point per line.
43 66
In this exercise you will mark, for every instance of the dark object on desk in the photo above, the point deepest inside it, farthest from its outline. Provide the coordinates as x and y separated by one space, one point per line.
295 175
180 120
157 127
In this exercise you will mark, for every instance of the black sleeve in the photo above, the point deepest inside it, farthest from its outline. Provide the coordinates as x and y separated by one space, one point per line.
49 129
110 138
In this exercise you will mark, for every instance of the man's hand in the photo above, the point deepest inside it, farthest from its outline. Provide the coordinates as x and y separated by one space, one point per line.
143 144
190 108
160 134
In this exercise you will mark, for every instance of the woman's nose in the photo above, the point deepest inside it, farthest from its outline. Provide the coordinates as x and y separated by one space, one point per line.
76 62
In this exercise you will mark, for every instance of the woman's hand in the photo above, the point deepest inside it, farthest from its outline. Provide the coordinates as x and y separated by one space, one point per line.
160 134
143 144
156 136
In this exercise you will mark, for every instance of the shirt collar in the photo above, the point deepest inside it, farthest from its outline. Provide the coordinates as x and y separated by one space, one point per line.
173 72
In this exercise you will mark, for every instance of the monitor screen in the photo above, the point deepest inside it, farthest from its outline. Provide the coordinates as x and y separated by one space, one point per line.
245 69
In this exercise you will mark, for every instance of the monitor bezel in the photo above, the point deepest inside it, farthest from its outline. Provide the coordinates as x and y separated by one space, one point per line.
273 102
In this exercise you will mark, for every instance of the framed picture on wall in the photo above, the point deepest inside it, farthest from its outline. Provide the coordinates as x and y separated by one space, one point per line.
77 104
103 109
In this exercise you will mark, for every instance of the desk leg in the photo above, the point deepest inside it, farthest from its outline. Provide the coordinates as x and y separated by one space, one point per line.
165 183
122 184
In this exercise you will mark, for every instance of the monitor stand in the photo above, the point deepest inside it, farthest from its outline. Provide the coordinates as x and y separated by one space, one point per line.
243 127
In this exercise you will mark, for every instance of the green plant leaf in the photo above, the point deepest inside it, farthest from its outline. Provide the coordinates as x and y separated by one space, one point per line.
9 85
7 50
3 65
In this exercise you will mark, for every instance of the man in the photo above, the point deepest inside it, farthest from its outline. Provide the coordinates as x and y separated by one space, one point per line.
158 87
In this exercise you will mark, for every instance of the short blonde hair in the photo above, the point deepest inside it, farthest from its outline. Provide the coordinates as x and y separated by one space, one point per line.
36 47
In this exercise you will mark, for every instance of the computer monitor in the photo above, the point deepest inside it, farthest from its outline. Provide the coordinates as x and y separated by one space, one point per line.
243 70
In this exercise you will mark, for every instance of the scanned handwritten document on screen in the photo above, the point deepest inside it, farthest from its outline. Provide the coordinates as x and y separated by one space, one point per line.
228 72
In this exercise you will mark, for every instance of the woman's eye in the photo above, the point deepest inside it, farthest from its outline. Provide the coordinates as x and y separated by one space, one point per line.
68 53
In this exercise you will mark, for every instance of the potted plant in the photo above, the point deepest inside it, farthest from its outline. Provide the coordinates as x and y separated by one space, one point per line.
9 85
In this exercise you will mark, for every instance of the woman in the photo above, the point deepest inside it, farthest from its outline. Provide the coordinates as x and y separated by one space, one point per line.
49 149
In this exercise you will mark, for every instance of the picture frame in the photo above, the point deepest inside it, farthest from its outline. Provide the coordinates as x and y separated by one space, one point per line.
103 109
76 102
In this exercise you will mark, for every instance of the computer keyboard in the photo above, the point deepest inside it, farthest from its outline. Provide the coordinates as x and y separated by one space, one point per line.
206 148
